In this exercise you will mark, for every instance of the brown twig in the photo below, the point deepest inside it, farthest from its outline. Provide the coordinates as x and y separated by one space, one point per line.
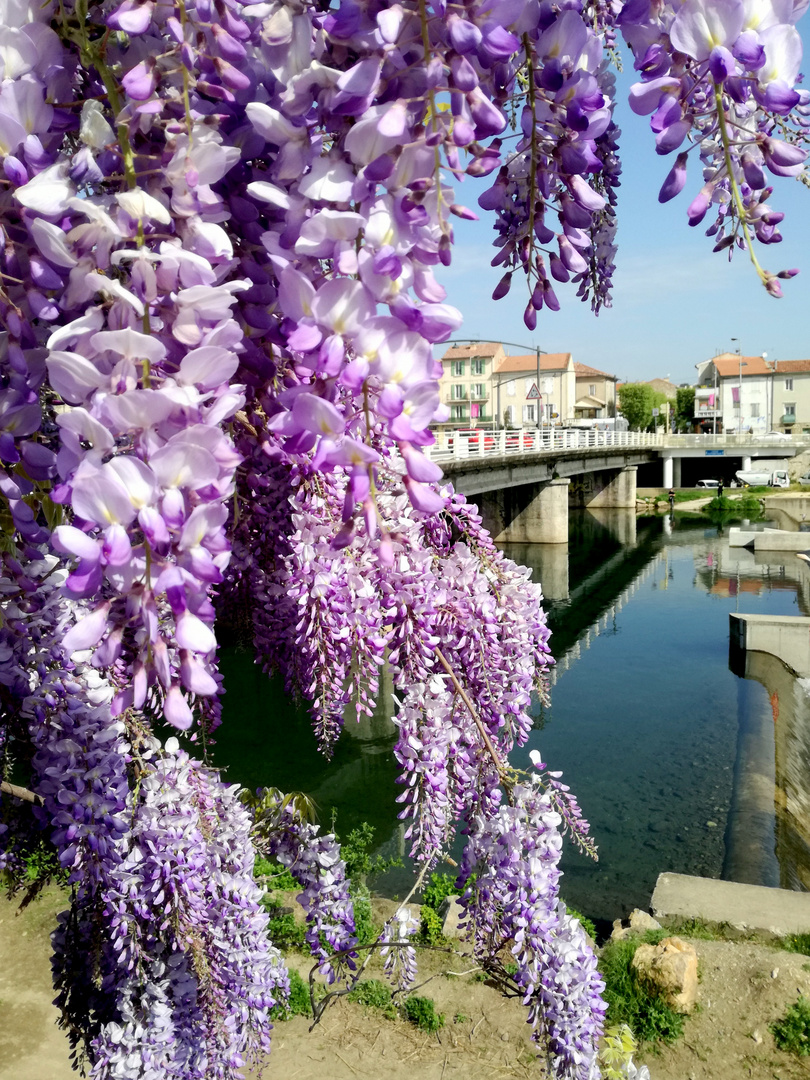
18 792
472 711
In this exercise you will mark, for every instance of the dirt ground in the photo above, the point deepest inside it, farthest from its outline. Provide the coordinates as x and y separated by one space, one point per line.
744 987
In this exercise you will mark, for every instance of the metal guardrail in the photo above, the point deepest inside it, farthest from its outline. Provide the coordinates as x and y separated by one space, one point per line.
484 443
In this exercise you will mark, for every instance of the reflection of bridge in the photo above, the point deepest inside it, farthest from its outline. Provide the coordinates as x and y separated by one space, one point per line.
522 480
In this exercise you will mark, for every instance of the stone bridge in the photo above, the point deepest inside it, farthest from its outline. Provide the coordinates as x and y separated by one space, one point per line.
524 481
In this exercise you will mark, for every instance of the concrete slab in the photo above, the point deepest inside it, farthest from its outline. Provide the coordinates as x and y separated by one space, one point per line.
782 541
748 909
784 636
742 537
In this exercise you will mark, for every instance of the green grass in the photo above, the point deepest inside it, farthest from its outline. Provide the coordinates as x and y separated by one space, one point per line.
792 1032
798 943
629 1001
421 1011
374 994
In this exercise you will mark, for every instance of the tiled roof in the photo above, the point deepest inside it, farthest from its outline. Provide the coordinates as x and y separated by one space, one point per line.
478 348
548 362
583 371
790 366
729 364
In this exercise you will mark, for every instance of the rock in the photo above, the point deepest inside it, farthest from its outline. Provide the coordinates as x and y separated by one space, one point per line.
640 921
637 923
775 973
451 912
711 824
755 1035
670 969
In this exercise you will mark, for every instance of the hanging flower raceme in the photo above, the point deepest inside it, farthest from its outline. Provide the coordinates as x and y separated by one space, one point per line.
724 76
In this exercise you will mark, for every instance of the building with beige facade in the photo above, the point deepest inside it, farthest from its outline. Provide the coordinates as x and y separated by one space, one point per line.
790 396
595 393
466 383
752 393
523 401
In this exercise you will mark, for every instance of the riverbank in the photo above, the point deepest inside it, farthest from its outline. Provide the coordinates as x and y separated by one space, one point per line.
744 987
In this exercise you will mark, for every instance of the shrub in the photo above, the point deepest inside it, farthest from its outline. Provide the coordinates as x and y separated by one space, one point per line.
430 928
792 1032
438 888
365 927
421 1011
355 850
629 1001
299 1003
284 931
375 995
274 877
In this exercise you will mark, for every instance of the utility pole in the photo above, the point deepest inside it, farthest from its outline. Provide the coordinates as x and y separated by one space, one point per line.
739 387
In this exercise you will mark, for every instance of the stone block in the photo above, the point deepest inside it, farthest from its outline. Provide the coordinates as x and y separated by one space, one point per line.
669 969
451 912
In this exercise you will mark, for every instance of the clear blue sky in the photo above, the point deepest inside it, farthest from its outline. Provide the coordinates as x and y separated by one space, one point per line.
675 303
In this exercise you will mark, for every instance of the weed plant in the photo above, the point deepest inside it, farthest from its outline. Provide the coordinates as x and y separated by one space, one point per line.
629 1001
792 1032
421 1011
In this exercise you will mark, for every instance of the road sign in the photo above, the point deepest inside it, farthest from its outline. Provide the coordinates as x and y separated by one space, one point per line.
656 412
714 453
533 393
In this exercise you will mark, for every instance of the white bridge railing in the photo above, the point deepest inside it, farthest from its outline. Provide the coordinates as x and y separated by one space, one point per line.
485 443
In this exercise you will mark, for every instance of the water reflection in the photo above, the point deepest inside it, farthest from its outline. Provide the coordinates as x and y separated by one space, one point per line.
643 718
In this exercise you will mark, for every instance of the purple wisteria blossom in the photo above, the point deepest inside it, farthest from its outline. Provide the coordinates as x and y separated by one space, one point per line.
224 228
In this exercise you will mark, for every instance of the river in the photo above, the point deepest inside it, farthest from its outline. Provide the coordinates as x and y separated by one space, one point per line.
643 717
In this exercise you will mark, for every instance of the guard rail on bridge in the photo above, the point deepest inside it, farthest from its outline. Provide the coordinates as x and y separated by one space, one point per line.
481 442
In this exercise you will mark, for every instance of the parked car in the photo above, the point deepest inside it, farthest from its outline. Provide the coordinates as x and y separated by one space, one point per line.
708 484
775 435
805 479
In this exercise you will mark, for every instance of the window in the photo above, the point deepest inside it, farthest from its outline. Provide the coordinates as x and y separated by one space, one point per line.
478 390
510 388
592 389
457 367
754 412
528 414
477 367
456 412
790 408
788 384
458 391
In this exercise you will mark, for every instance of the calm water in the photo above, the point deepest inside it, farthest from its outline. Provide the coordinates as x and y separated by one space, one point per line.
643 714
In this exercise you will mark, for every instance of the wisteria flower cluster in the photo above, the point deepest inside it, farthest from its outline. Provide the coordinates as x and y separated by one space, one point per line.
722 74
223 230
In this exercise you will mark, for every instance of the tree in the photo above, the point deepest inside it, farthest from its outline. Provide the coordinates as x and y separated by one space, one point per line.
684 407
220 225
637 401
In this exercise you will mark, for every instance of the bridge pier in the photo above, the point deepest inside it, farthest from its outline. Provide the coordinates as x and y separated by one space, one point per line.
529 514
604 489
